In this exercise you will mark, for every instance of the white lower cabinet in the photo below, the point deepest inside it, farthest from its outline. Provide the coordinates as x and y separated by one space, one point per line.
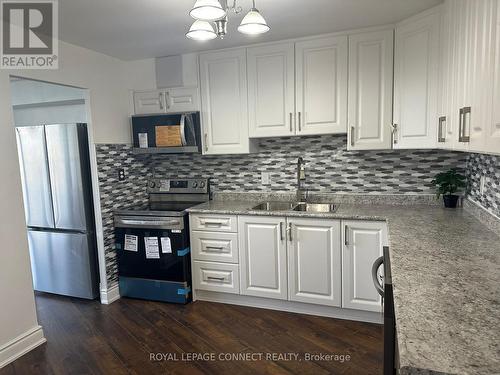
314 261
262 256
363 243
290 262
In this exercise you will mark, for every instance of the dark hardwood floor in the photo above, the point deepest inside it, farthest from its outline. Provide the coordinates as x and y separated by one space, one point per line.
85 337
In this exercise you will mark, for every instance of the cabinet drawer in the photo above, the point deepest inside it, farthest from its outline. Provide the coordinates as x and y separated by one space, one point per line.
214 246
214 223
216 277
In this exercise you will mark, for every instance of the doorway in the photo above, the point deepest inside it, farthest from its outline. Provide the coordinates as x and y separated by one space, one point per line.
52 134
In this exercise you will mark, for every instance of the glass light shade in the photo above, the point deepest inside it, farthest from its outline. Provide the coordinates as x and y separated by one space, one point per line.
253 23
201 30
207 10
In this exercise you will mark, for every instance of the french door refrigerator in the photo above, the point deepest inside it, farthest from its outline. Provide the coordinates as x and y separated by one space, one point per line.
55 173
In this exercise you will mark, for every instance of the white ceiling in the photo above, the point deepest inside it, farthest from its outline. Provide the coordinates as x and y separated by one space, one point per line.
136 29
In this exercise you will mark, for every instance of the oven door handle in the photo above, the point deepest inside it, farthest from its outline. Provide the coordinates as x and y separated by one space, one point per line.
376 265
136 223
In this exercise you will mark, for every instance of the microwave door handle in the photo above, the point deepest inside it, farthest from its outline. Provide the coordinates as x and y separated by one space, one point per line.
183 131
378 262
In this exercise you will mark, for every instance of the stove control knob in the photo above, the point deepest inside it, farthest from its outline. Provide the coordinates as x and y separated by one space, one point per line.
195 184
152 184
202 184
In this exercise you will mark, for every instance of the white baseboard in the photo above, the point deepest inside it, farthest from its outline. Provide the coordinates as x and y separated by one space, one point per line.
290 306
21 345
110 295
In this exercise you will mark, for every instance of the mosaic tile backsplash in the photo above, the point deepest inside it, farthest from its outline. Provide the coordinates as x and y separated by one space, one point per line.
118 194
329 168
489 166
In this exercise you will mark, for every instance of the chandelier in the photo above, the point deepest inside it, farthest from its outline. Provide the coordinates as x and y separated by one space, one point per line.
211 17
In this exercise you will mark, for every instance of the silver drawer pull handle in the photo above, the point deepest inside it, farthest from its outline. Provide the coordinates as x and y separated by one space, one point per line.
216 278
217 223
215 247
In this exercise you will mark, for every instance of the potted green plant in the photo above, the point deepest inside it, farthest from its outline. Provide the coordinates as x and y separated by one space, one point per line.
447 184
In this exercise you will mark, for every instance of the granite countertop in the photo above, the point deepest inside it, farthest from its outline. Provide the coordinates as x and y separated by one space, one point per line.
446 278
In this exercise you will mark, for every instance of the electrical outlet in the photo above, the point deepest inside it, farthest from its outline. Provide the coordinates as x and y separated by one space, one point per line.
265 178
482 184
121 174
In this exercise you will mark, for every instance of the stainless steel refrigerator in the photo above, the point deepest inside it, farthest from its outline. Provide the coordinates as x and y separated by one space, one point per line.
55 173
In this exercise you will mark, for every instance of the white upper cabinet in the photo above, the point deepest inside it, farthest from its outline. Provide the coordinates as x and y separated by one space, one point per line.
321 85
271 90
298 88
416 67
446 126
363 244
470 70
370 90
493 127
314 261
152 101
166 101
182 99
263 258
224 109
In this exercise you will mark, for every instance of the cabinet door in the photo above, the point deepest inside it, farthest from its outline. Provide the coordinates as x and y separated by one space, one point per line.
146 102
492 143
321 85
363 243
370 90
416 66
224 102
271 90
183 99
262 256
314 265
445 126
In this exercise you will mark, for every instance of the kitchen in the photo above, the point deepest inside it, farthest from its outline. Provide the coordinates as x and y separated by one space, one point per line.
281 180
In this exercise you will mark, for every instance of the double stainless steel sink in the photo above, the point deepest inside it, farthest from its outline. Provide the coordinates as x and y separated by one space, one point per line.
295 206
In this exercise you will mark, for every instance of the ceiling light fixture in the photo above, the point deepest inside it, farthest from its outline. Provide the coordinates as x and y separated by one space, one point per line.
253 23
207 10
210 14
201 30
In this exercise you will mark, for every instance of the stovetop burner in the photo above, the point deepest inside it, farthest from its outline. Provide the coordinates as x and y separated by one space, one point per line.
170 197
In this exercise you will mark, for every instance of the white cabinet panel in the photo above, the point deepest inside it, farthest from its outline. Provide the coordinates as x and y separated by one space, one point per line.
314 261
446 130
370 90
362 244
146 102
216 277
183 99
321 81
493 130
224 102
213 222
271 90
416 67
262 256
214 246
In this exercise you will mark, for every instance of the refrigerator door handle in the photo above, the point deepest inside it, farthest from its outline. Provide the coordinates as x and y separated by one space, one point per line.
376 265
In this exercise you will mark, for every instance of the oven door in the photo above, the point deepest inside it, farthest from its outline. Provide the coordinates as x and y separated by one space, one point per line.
169 262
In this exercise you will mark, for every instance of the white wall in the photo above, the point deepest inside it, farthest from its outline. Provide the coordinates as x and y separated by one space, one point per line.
17 314
37 102
109 81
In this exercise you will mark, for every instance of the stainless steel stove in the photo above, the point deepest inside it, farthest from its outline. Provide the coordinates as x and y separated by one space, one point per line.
152 242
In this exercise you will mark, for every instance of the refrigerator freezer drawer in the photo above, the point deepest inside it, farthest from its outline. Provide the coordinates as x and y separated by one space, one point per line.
63 263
